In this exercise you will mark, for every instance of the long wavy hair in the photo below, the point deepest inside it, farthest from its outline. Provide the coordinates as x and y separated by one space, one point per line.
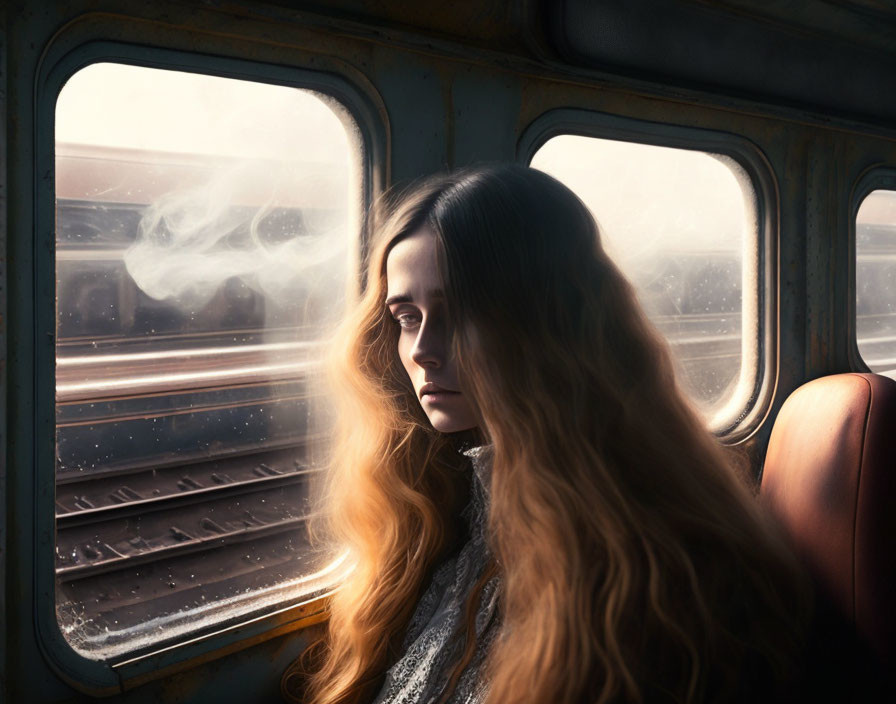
635 564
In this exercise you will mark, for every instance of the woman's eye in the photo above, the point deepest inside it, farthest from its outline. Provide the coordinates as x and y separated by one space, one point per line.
407 320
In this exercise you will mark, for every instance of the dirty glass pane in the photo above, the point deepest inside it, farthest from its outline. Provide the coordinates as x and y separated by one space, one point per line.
876 281
203 230
678 223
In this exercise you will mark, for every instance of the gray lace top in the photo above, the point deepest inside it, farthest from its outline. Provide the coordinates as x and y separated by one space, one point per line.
430 646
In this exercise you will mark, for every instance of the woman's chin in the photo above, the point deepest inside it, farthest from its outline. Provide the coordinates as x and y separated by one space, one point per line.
446 423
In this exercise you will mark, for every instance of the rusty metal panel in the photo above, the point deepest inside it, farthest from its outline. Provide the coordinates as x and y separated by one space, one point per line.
493 23
738 53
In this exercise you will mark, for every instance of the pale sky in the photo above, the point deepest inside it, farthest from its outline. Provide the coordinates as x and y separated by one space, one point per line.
648 199
878 208
134 107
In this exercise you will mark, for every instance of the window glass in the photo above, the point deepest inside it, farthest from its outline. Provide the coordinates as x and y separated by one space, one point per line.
203 235
876 280
679 224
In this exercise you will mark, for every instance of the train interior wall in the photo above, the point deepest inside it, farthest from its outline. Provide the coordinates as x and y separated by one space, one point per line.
443 87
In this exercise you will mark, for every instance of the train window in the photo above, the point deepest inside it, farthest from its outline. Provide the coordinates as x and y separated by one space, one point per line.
876 280
677 222
203 235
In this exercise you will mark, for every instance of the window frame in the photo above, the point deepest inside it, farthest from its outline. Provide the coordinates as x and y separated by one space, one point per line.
876 178
738 425
158 659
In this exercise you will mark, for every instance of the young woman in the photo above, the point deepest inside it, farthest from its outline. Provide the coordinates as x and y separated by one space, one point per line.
595 544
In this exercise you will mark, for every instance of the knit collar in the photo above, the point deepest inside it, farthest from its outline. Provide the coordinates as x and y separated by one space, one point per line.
481 459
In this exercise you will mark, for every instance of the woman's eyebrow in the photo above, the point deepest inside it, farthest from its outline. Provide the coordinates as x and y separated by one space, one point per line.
398 298
406 298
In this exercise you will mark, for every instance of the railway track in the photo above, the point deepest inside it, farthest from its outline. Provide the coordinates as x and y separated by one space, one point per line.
138 546
109 523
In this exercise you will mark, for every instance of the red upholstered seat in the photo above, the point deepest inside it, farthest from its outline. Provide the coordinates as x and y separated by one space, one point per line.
830 477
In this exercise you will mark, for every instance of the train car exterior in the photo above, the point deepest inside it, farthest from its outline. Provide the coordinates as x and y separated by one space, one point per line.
183 204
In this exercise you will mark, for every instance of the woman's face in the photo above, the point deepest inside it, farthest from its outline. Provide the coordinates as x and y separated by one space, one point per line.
416 302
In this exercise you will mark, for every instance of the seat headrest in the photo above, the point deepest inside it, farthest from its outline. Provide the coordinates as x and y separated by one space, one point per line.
830 477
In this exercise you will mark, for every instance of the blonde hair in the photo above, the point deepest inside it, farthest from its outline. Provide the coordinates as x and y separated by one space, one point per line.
635 564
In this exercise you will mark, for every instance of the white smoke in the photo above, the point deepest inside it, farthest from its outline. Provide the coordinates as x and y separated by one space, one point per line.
251 222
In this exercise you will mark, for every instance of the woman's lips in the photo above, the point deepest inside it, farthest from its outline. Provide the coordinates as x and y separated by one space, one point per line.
433 393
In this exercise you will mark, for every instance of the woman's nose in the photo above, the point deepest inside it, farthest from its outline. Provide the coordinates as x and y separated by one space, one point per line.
429 347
